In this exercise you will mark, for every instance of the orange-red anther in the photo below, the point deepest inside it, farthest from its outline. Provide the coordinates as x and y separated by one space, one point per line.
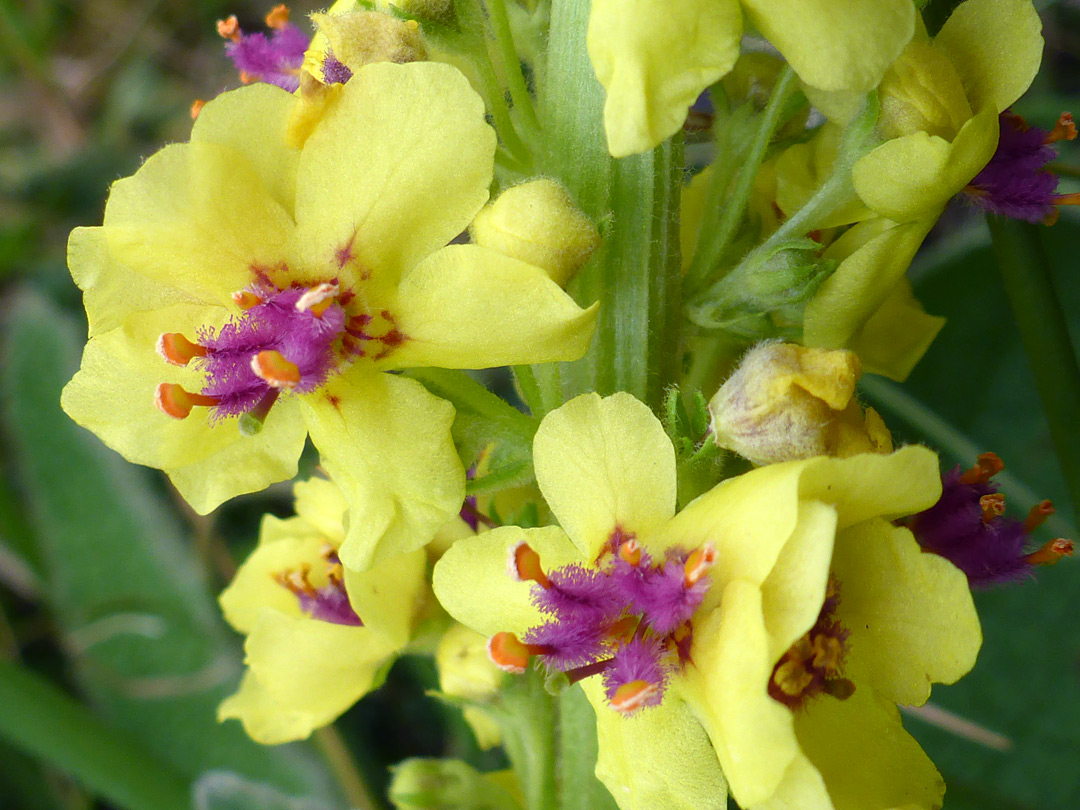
986 467
1064 129
229 28
196 108
698 564
508 653
1038 515
278 17
992 505
275 369
630 697
1051 552
173 400
630 552
523 565
177 349
245 299
318 299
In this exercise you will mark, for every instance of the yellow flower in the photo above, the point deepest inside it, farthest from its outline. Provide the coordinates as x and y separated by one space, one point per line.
282 284
756 554
319 636
655 57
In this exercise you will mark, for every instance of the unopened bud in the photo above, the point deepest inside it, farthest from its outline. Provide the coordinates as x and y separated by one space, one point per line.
359 38
538 223
787 402
439 10
445 784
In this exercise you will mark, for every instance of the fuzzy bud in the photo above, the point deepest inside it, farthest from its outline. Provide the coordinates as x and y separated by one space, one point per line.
445 784
922 92
440 10
465 670
538 223
358 38
787 402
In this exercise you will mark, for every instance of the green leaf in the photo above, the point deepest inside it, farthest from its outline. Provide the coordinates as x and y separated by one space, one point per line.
146 641
222 790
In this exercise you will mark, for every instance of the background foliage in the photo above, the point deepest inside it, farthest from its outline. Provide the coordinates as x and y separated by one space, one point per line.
112 652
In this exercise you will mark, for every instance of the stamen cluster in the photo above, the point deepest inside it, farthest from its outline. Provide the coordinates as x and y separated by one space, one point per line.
626 618
969 527
813 664
328 602
276 59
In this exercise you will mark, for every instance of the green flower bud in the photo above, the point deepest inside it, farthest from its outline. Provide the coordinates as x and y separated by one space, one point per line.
446 784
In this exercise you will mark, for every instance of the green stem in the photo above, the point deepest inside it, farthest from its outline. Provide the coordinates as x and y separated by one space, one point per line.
1028 279
576 753
529 737
38 718
519 91
343 766
530 390
713 242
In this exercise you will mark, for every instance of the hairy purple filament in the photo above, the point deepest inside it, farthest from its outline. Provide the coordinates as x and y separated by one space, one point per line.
275 59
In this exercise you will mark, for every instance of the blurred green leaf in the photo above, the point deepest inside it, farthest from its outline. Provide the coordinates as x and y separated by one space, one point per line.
143 634
222 790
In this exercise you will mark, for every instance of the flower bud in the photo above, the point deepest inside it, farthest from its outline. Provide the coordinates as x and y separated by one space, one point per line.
358 38
922 92
465 670
445 784
787 402
538 223
441 10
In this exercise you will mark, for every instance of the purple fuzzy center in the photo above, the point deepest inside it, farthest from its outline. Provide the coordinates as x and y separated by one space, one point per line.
303 338
630 622
988 551
1014 183
275 59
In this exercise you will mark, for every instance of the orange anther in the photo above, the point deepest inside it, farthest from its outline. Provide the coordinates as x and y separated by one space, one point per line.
1038 515
630 552
698 564
278 17
177 349
508 653
1067 199
1051 552
318 298
245 299
630 697
992 505
248 78
273 367
1064 129
196 108
986 467
229 28
523 564
624 628
173 400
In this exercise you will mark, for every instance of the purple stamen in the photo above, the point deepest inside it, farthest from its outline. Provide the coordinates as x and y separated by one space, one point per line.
303 338
275 60
639 660
989 550
335 72
330 604
1015 183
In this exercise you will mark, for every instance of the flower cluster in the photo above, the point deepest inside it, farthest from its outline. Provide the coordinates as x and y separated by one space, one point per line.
746 591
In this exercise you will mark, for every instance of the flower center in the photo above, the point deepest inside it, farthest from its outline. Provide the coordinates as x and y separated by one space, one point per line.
283 340
968 526
326 602
628 618
812 665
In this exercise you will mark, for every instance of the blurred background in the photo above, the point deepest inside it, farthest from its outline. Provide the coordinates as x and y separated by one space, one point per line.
111 644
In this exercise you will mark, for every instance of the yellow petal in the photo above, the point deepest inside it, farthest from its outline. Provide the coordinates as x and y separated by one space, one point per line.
385 441
251 121
265 720
112 291
911 616
654 58
896 337
727 686
471 307
472 582
794 591
284 545
198 217
914 176
836 44
864 755
387 596
602 464
397 168
874 255
659 757
315 667
996 47
320 503
112 395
